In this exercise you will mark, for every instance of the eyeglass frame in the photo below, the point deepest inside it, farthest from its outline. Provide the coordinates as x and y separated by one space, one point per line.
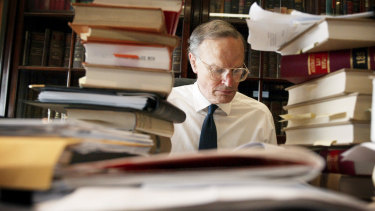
209 68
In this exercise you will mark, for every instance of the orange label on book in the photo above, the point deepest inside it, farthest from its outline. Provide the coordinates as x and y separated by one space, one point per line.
318 63
126 56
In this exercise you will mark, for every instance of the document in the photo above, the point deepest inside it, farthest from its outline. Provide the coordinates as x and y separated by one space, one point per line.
268 31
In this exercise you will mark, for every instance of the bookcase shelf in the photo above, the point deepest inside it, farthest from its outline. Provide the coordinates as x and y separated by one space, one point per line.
55 14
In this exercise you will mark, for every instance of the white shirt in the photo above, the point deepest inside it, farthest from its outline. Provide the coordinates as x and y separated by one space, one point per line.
239 122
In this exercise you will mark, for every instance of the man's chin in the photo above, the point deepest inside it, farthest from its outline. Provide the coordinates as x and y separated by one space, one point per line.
224 98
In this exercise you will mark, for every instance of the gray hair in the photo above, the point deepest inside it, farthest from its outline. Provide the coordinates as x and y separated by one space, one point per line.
212 30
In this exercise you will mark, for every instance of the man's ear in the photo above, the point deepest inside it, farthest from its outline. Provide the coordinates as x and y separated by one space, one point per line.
193 63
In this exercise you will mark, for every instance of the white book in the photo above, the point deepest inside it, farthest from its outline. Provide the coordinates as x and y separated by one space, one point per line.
142 56
342 108
350 132
332 34
127 78
336 83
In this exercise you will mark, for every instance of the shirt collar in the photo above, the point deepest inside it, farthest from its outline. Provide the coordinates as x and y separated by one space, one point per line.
200 102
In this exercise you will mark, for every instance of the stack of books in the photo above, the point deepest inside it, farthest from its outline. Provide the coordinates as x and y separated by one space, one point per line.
330 104
128 57
333 109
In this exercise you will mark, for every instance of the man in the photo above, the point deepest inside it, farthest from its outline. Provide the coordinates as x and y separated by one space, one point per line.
216 54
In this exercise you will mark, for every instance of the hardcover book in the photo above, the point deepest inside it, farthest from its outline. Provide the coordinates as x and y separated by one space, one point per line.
129 55
338 133
121 17
170 8
97 34
127 78
303 67
342 108
56 49
343 81
332 34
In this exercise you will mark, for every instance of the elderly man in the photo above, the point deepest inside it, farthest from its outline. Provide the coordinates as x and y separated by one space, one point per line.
217 116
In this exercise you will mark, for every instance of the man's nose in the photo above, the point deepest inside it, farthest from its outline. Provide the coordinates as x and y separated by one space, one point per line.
227 78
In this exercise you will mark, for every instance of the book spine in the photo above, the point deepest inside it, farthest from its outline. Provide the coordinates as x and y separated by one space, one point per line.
47 38
247 6
234 6
334 162
303 67
298 5
26 48
253 62
56 53
68 40
36 48
79 53
227 6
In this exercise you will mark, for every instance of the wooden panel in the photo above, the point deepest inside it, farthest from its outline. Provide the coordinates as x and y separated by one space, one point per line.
9 14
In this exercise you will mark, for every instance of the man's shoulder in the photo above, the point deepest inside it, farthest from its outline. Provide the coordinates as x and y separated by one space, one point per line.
251 103
181 91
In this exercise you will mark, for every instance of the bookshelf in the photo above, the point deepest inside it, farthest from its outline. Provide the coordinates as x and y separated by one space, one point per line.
43 52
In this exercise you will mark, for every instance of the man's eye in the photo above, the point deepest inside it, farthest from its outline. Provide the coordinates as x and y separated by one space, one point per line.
237 71
219 71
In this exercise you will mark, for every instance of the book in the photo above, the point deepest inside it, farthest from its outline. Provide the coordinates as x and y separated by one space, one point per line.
349 159
332 34
131 121
121 17
346 107
170 8
97 34
59 98
68 40
303 67
127 78
26 48
79 53
357 186
56 49
246 165
341 82
142 56
46 46
337 133
36 48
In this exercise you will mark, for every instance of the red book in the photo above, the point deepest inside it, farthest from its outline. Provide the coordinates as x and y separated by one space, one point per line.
351 160
303 67
334 163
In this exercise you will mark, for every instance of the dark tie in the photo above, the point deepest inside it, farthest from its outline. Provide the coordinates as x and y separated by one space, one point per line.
208 139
